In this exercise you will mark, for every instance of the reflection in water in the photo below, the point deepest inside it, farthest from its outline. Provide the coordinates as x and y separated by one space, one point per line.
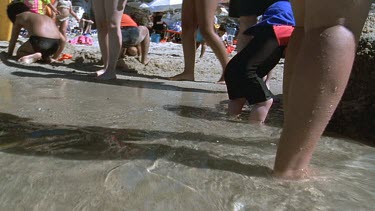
97 168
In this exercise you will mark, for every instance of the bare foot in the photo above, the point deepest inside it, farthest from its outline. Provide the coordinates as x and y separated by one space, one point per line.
145 62
222 82
30 58
294 174
182 77
105 75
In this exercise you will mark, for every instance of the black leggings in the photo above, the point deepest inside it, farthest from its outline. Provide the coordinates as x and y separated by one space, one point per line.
243 74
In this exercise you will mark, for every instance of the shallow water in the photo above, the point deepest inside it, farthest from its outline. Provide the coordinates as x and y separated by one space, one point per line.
68 143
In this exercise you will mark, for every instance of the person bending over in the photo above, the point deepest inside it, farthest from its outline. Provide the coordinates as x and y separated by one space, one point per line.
244 72
134 38
45 39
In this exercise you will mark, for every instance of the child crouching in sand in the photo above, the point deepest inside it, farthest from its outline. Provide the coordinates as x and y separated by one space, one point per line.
45 39
244 73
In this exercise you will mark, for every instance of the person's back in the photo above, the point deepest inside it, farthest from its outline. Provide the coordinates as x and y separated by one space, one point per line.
45 39
38 25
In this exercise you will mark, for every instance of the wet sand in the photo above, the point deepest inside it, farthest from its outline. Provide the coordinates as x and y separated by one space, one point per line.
69 142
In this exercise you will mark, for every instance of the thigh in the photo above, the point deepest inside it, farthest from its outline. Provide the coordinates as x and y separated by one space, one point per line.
25 49
143 33
299 11
205 12
114 10
99 10
188 14
349 13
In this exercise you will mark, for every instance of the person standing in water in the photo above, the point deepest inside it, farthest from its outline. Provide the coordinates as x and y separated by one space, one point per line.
202 13
319 60
108 15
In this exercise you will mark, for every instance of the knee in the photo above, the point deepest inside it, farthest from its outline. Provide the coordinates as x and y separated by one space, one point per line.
102 26
335 32
206 32
187 26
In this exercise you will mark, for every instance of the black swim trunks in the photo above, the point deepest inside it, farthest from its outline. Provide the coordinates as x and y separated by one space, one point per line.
46 46
245 71
238 8
130 36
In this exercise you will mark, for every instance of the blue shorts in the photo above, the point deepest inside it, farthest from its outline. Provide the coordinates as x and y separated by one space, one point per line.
130 36
199 37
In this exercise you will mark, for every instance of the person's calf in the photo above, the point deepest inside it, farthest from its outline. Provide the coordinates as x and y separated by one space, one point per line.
260 111
235 107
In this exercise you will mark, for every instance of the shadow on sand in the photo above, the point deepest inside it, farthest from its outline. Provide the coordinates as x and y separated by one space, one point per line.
84 75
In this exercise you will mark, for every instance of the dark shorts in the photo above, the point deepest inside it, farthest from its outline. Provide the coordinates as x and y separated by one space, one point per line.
46 46
238 8
243 74
130 36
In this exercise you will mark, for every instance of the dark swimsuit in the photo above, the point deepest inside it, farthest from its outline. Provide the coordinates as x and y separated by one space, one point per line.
46 46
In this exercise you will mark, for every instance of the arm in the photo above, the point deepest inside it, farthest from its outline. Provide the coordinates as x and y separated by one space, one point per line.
61 47
74 14
12 43
53 7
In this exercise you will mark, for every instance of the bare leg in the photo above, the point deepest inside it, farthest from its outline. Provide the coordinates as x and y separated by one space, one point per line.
100 19
203 49
145 44
122 53
206 10
63 28
25 49
189 26
267 78
110 26
259 112
245 23
235 106
321 72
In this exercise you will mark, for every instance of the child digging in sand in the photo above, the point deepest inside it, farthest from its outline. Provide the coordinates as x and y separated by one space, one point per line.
45 39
